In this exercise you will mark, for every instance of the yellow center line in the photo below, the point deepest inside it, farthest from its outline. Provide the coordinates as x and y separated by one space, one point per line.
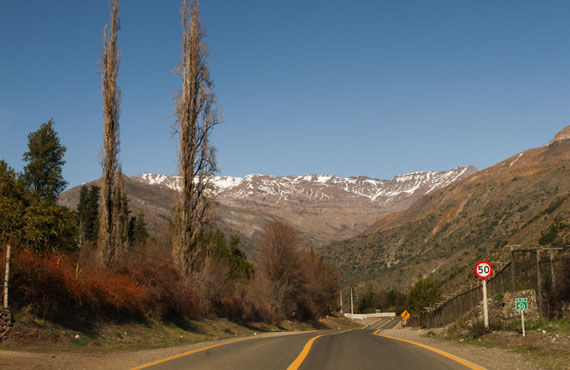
369 325
463 362
299 360
207 348
383 325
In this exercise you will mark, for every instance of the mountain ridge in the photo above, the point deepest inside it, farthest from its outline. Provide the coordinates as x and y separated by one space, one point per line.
323 207
444 233
373 191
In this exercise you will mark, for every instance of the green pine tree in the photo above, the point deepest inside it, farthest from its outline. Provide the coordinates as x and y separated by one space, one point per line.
45 154
88 213
424 293
25 220
240 268
14 201
140 232
93 213
82 213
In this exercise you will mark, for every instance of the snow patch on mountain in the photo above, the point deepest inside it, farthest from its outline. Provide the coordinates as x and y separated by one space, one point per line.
321 187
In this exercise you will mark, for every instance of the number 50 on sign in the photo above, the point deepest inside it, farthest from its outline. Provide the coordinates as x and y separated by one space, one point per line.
483 269
521 304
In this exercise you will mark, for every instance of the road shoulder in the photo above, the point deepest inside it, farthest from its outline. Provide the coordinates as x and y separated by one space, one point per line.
18 360
490 358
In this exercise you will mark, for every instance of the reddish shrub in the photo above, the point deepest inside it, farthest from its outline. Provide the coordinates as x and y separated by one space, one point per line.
171 296
57 289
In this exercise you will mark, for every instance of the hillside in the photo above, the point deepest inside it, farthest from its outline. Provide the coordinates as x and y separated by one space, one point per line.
446 231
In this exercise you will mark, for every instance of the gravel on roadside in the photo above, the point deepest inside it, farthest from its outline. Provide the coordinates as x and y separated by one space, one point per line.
489 358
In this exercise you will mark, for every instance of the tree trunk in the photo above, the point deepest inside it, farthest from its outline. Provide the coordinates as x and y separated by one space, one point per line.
7 275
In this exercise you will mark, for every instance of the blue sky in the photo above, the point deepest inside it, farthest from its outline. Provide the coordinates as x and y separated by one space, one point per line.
374 88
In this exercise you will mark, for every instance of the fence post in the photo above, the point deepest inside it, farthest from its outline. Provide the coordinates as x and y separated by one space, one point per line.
502 285
513 269
539 282
552 269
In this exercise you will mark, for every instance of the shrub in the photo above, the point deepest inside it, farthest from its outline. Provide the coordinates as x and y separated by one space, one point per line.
171 296
424 293
499 299
58 290
478 329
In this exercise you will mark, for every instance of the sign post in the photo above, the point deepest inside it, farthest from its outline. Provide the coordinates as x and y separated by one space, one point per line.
521 304
483 270
405 315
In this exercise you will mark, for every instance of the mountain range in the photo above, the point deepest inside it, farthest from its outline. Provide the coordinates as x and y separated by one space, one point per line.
323 208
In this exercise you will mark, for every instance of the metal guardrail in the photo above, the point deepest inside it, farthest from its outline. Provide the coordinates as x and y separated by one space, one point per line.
358 316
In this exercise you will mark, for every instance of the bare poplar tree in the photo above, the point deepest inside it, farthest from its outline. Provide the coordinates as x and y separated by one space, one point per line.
196 117
109 241
120 215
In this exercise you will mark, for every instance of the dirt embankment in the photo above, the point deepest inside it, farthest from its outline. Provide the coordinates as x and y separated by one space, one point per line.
39 345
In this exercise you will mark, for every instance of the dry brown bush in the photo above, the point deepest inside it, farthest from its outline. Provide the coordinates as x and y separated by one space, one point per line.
172 296
57 289
290 281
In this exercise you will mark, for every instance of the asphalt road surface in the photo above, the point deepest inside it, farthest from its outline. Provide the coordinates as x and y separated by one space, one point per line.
358 349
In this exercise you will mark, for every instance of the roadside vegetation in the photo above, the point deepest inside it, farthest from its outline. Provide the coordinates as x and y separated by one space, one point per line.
58 282
56 278
547 342
424 293
547 339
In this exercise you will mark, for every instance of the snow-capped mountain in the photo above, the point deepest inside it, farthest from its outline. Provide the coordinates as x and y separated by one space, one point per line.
323 206
321 187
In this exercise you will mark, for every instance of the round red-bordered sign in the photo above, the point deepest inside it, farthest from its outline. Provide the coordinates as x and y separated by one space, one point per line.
483 269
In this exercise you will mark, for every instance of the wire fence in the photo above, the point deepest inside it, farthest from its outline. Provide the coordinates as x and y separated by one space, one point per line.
529 269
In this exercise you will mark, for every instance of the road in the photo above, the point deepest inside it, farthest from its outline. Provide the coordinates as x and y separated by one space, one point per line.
357 349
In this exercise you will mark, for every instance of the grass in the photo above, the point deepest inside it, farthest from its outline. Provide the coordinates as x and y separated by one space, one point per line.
34 334
550 327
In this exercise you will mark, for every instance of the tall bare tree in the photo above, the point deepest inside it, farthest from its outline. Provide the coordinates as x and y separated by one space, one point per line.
196 117
110 241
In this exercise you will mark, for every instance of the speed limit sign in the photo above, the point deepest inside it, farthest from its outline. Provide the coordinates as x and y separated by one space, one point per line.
483 269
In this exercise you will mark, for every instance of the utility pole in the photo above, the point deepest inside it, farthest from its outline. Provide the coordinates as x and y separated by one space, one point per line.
351 305
340 295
